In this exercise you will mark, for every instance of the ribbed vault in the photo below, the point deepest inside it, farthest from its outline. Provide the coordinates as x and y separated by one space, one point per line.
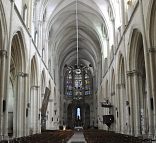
95 19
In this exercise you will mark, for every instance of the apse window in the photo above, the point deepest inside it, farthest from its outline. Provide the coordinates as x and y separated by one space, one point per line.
78 114
77 83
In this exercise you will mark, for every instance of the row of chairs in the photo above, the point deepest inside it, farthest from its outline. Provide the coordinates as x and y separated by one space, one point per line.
45 137
101 136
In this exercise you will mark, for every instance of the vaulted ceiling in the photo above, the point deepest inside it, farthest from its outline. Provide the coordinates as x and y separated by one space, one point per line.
95 19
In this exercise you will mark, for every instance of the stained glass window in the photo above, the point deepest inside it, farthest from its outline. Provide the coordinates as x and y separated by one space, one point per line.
88 83
78 82
68 83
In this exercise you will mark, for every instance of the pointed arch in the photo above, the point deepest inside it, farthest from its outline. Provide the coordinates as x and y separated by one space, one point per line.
34 71
17 85
18 51
137 83
136 45
121 89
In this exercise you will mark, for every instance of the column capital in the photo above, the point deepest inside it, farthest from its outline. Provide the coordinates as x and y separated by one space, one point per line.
3 52
22 74
152 49
119 85
132 72
12 0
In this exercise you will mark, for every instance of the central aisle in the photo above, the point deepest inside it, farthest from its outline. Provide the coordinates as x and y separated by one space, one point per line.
78 137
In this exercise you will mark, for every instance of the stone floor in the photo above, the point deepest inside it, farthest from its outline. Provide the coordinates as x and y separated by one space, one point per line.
78 137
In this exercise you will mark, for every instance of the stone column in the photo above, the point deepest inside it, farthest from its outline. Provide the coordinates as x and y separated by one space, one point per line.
114 38
40 45
8 72
19 111
108 52
122 108
119 122
19 106
131 104
38 119
39 110
142 111
34 108
25 112
137 106
122 2
152 55
147 67
3 56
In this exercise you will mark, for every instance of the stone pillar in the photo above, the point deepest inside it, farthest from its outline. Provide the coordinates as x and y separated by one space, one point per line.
25 112
19 105
114 38
147 67
108 52
122 108
131 104
137 102
152 55
34 109
40 45
119 122
142 111
5 126
39 110
38 119
122 2
3 55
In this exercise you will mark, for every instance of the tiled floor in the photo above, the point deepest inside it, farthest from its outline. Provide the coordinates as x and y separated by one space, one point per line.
78 137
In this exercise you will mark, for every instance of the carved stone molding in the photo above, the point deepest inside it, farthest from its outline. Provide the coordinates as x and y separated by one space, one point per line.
132 73
3 53
120 85
152 49
22 74
113 93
